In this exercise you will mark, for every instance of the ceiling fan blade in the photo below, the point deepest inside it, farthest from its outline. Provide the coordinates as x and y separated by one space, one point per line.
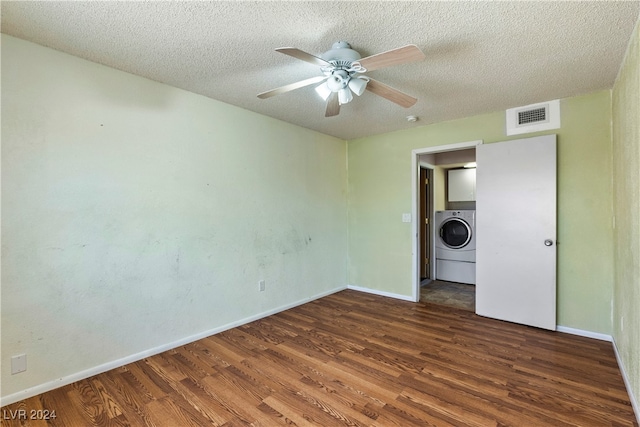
333 105
401 55
302 55
393 95
291 86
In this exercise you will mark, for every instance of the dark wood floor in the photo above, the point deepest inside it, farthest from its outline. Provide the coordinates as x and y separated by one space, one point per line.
357 359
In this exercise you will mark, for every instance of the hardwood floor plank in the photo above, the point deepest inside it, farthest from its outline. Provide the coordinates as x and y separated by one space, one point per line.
168 374
293 412
121 400
472 403
437 411
311 412
67 414
375 393
173 411
149 379
275 417
85 395
345 400
222 353
360 360
233 398
569 397
111 406
205 402
192 361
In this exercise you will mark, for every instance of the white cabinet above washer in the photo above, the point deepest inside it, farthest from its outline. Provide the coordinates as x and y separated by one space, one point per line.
462 185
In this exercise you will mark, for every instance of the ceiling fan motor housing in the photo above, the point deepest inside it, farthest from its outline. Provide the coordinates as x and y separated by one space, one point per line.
342 54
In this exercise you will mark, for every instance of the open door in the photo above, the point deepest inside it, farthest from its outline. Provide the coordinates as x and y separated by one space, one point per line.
516 231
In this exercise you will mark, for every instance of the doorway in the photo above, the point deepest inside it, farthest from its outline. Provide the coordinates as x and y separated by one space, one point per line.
433 289
434 195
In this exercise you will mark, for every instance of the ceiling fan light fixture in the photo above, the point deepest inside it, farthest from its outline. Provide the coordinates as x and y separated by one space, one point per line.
344 96
323 90
338 80
334 84
358 85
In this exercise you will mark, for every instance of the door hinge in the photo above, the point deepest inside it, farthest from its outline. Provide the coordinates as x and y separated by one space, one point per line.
426 181
426 260
426 221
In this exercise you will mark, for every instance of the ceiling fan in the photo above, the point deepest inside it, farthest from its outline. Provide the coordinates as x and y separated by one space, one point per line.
343 74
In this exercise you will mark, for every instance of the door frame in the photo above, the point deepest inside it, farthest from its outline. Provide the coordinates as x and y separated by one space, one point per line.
426 199
415 208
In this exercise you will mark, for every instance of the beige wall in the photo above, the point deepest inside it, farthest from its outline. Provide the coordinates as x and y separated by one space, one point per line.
136 215
626 190
380 191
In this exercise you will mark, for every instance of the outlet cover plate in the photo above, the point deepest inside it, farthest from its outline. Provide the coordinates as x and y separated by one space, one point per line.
18 364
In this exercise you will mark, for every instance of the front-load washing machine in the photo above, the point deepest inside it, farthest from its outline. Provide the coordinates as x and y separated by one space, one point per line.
456 246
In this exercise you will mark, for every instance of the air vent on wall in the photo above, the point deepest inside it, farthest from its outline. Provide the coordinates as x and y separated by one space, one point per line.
533 118
536 115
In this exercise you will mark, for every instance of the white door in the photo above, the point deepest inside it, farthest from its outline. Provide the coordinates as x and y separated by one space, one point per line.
516 231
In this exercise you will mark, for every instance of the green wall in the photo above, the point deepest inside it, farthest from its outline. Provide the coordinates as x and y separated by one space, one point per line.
380 244
626 178
137 216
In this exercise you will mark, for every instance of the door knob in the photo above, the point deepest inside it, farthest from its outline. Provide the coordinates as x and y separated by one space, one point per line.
548 242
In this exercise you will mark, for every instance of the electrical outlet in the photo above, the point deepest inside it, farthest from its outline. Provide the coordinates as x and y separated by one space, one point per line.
261 286
18 364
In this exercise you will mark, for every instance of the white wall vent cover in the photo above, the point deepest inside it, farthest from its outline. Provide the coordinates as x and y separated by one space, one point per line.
533 118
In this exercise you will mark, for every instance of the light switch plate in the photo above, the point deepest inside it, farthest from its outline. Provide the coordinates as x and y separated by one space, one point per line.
406 217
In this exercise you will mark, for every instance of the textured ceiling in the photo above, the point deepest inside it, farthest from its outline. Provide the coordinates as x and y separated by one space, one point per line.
481 56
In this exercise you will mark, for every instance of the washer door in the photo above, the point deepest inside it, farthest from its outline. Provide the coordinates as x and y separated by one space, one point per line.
455 233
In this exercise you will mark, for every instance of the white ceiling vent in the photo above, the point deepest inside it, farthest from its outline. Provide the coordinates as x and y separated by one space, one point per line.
533 118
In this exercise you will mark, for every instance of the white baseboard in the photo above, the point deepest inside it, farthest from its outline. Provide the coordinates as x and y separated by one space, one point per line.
381 293
69 379
583 333
634 403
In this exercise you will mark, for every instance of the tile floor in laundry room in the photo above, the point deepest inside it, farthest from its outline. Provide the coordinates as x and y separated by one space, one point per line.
452 294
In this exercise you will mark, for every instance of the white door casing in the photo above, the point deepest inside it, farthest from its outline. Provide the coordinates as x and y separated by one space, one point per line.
516 231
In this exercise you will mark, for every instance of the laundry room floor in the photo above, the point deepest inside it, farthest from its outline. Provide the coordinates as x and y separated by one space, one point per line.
457 295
